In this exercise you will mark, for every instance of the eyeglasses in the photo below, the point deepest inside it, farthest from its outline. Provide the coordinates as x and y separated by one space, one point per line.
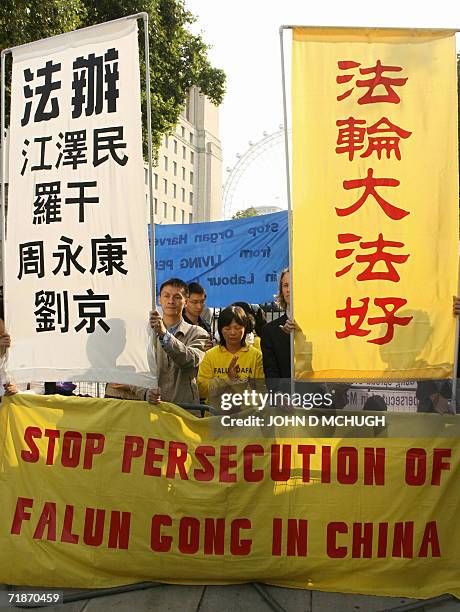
196 302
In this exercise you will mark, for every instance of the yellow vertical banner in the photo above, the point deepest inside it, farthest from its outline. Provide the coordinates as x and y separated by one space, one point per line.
375 202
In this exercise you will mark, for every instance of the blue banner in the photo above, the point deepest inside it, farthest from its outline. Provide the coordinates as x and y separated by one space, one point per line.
233 260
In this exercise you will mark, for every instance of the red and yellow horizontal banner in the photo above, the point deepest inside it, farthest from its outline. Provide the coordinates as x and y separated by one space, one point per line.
101 493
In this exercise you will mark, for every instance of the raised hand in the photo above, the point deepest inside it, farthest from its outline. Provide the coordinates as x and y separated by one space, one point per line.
156 323
233 369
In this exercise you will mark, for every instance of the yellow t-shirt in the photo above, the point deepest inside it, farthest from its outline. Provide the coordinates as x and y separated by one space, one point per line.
216 361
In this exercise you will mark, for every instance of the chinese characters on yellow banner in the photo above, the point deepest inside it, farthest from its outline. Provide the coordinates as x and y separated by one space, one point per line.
375 193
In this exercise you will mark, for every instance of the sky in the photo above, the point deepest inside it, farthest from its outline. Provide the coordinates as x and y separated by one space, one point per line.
244 35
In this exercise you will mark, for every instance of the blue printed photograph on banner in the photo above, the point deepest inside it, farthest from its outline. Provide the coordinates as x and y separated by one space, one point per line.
233 260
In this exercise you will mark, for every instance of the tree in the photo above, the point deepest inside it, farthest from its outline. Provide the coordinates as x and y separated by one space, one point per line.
178 58
247 212
23 21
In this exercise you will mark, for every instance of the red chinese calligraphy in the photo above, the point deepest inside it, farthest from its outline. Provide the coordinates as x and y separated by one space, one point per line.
389 317
381 139
372 259
373 84
351 136
387 142
354 317
342 253
370 183
358 313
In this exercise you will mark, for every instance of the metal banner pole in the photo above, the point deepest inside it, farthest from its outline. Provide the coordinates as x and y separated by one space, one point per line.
457 330
454 373
2 167
145 17
288 190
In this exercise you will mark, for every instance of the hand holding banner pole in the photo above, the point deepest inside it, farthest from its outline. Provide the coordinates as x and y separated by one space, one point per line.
288 188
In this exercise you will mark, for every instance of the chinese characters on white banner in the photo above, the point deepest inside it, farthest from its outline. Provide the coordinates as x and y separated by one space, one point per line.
77 266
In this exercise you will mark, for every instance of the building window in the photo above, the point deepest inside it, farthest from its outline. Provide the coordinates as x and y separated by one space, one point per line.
191 198
182 131
191 138
165 186
146 175
190 217
166 163
183 216
174 190
165 210
166 141
174 213
184 153
175 168
175 146
183 173
191 178
182 194
156 180
192 157
155 203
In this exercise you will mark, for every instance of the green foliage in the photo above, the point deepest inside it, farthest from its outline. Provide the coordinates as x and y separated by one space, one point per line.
247 212
178 58
22 21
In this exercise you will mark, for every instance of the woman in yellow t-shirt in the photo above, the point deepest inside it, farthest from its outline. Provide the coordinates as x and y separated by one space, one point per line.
229 365
257 317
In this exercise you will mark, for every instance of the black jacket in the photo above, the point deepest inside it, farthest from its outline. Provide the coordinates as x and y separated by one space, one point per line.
201 323
275 349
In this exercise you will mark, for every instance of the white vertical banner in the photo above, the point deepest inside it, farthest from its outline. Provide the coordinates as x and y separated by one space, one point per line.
77 260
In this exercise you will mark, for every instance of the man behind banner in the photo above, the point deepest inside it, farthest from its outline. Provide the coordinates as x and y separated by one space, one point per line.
179 348
194 307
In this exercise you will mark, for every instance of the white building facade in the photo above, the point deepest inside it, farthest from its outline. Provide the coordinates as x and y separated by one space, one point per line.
187 180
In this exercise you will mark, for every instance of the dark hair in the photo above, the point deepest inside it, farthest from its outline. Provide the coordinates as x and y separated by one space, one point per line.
196 288
237 314
176 282
280 297
256 315
375 402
